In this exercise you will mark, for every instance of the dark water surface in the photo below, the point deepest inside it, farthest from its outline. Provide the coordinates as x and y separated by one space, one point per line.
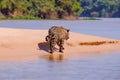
97 67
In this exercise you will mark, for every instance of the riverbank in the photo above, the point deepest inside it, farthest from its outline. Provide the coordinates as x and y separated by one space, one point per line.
26 44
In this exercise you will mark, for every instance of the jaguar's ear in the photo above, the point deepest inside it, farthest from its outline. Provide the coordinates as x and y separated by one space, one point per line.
68 30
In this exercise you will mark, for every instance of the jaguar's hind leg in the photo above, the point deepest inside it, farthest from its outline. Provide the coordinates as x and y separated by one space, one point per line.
61 46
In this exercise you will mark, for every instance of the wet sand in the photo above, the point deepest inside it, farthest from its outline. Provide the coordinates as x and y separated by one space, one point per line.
26 45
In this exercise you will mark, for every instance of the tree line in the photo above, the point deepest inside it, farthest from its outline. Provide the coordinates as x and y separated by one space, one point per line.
59 9
45 9
100 8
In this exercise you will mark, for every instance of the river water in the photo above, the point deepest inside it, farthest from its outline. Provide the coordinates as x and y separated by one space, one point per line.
102 67
97 67
106 27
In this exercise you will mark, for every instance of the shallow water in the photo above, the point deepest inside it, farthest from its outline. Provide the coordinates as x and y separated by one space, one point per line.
105 27
101 67
96 67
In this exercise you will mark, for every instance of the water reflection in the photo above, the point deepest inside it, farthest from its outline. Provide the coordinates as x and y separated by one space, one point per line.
57 57
104 67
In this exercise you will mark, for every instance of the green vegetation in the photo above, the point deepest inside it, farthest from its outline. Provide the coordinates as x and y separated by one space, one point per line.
43 9
90 18
100 8
58 9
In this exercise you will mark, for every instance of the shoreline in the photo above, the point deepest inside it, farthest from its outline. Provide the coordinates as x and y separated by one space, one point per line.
26 45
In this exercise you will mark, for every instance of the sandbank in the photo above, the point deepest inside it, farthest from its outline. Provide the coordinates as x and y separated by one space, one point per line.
26 45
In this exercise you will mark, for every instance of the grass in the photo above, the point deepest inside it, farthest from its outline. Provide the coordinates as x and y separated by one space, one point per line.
27 17
90 18
98 43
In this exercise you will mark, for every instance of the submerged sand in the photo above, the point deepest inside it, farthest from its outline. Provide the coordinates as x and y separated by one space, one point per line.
25 45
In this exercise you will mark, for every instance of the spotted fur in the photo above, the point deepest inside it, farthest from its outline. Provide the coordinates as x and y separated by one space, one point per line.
57 35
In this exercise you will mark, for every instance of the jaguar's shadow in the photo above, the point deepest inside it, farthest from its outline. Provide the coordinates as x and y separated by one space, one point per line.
45 46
